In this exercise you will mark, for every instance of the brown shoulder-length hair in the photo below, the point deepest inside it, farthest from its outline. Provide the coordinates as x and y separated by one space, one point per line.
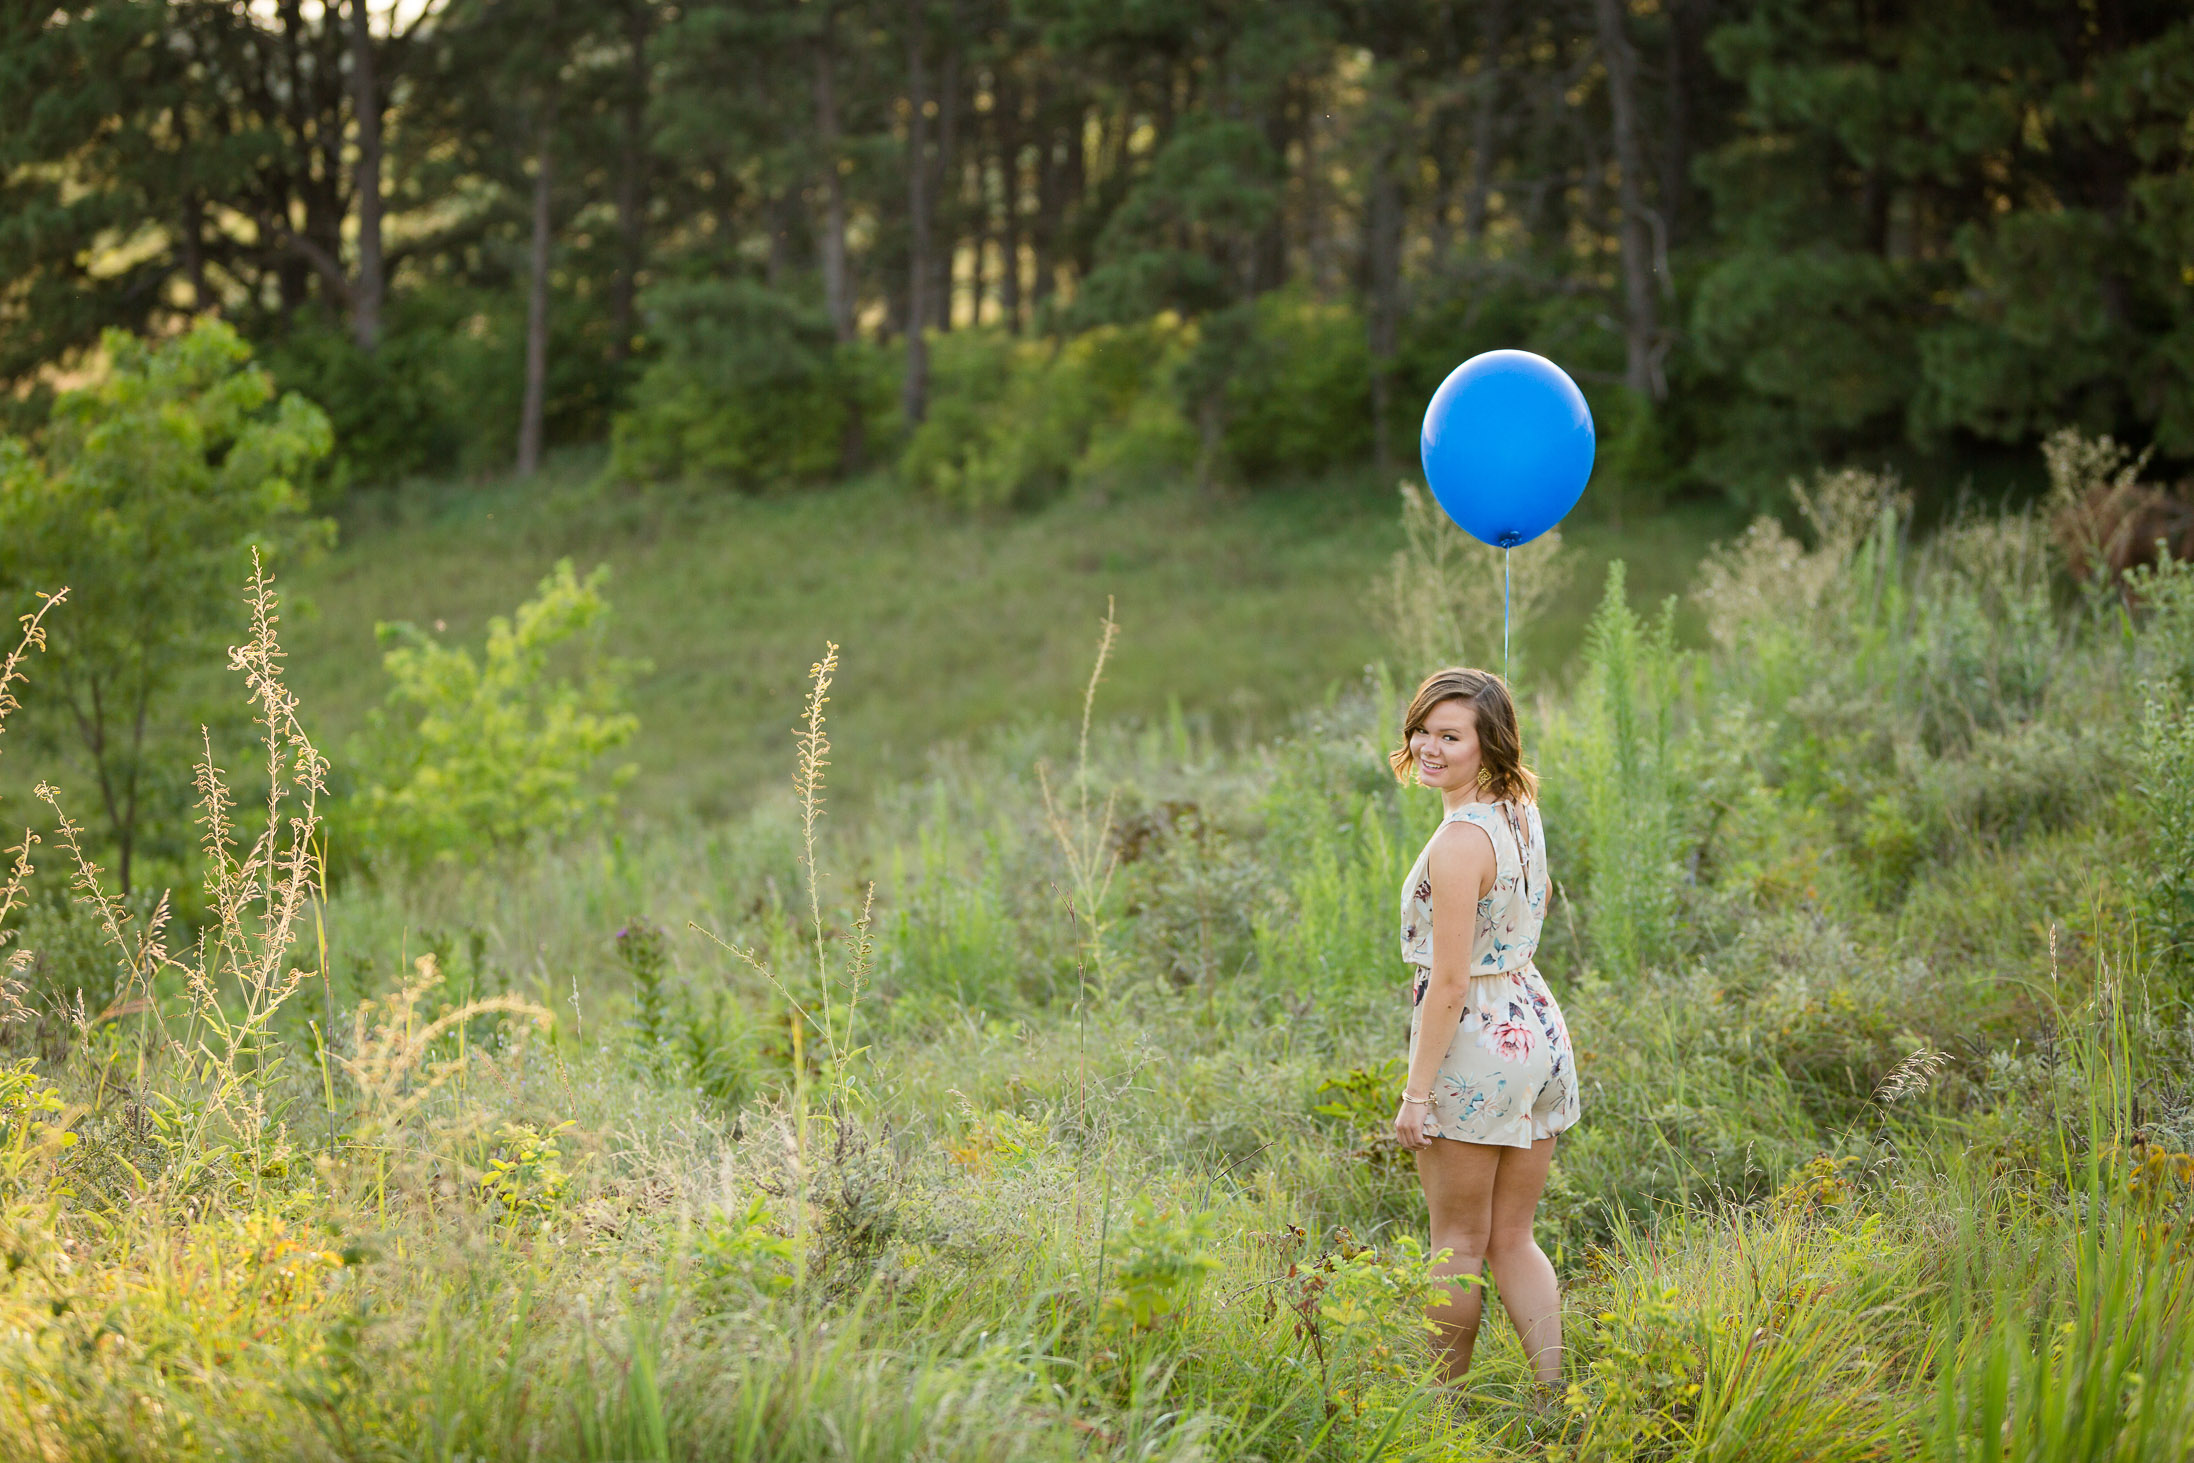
1500 749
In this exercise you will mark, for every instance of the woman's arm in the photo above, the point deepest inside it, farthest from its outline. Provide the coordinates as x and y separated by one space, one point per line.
1462 872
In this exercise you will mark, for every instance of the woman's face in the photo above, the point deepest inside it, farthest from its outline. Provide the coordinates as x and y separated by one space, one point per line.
1446 747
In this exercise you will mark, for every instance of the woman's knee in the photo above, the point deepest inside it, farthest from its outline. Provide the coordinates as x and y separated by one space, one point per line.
1464 1242
1504 1243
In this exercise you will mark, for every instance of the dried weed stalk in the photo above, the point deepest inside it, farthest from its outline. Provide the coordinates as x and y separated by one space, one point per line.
392 1066
1911 1077
256 892
1764 576
19 865
1085 839
812 739
1441 595
2104 516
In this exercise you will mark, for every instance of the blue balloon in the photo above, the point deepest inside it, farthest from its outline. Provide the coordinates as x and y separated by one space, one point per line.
1507 446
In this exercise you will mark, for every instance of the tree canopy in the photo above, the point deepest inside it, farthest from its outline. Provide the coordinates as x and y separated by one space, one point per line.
1762 233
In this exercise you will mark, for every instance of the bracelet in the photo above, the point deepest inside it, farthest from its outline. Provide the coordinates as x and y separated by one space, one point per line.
1420 1101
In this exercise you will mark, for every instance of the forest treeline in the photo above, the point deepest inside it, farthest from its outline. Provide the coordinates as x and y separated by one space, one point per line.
1243 239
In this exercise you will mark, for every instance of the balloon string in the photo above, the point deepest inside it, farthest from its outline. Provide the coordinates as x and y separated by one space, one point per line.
1504 613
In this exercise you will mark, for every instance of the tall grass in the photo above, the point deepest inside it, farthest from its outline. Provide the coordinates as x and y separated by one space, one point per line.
1035 1114
1625 780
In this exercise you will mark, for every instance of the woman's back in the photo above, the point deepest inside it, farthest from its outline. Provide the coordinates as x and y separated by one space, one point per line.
1512 912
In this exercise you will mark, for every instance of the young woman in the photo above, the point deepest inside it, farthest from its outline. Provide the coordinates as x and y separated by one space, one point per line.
1491 1076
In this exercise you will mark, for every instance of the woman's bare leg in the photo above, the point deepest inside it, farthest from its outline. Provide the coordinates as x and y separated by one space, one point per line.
1458 1180
1520 1268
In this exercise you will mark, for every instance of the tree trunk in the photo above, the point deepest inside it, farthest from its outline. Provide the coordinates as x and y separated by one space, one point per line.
1484 130
1076 191
949 190
780 238
193 230
194 253
537 303
1383 243
632 182
914 389
1050 224
837 297
1641 329
1006 122
1268 270
366 294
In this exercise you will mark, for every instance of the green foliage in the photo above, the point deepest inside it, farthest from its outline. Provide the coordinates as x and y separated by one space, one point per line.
1033 1217
1625 786
146 495
483 756
1214 179
1298 396
1363 1097
643 951
2165 788
396 411
1914 248
1331 937
749 390
2096 1365
1360 1312
1155 1263
738 1257
526 1181
28 1104
1015 422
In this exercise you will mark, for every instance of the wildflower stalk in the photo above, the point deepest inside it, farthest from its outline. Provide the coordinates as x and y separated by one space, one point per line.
256 895
1085 842
19 868
813 741
807 781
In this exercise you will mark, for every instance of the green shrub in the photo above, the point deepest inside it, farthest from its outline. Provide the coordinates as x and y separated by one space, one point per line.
147 497
1014 422
393 410
1298 398
526 1182
1158 1258
442 392
750 390
479 756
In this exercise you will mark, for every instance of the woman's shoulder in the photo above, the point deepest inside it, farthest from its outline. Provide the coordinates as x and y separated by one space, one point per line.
1463 836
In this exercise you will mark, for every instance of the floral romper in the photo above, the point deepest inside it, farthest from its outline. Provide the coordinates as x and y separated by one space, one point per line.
1510 1077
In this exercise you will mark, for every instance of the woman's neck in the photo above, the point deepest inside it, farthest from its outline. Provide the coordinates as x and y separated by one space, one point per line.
1452 798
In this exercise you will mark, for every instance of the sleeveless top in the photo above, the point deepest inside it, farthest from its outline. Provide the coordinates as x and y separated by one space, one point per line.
1511 913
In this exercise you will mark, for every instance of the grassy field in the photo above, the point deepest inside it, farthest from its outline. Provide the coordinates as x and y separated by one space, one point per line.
1239 612
1874 929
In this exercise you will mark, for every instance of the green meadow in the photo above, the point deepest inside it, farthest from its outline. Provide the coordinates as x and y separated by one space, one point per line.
1238 610
1030 1098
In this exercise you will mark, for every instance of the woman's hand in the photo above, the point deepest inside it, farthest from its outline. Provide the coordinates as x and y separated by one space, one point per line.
1410 1121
